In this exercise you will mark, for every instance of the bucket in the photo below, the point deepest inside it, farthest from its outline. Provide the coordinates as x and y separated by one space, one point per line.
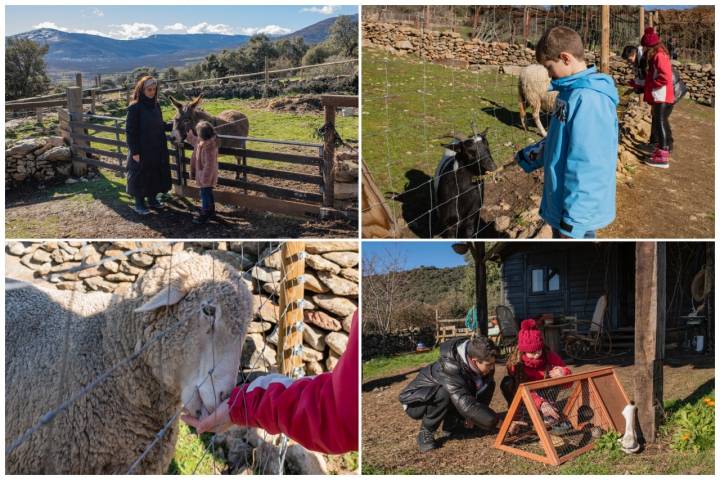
699 343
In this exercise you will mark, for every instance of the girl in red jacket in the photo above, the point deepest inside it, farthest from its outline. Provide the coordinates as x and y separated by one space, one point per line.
659 93
320 413
533 361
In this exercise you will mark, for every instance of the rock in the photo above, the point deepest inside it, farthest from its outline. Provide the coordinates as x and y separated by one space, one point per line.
41 256
97 283
123 289
351 274
339 285
313 368
322 320
310 354
308 304
125 267
313 284
331 361
347 322
70 286
545 232
338 305
299 461
319 248
273 261
403 45
264 274
314 337
271 288
24 146
111 266
258 355
17 249
265 308
120 277
141 259
259 327
56 154
320 264
344 259
502 223
337 341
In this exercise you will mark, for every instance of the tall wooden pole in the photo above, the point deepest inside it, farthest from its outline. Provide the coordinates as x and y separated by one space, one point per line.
642 20
290 323
605 40
75 111
78 79
481 309
526 25
650 312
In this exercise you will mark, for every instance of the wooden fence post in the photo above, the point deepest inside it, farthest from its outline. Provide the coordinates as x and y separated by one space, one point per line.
38 115
481 309
642 21
267 79
605 40
329 158
78 80
290 323
75 110
179 163
93 99
650 312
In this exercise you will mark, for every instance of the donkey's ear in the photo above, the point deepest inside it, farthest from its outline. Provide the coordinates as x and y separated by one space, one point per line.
484 132
196 102
175 103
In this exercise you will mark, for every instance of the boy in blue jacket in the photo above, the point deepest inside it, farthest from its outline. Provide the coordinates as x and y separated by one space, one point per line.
580 151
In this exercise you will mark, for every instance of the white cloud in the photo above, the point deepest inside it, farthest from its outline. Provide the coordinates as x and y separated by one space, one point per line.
129 31
92 32
205 27
176 27
52 25
325 10
267 29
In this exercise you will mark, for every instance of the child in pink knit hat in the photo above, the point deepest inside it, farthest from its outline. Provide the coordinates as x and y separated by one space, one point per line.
530 361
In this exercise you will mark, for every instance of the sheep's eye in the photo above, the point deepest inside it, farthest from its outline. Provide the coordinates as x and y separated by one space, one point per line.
208 310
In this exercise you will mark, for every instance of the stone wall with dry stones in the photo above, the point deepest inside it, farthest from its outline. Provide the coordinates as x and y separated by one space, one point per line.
42 159
331 286
451 48
376 345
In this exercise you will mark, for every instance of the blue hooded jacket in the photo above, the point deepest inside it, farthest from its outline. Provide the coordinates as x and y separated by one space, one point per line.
579 154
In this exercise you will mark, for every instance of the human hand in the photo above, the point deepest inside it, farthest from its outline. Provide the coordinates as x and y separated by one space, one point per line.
216 422
549 411
557 372
136 157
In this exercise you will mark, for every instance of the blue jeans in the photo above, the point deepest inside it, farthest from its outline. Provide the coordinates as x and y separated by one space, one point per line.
140 201
207 201
588 234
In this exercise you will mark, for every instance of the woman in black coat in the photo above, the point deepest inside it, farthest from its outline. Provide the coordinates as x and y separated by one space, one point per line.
148 161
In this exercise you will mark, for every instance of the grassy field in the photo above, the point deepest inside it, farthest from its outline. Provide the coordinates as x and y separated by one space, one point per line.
383 366
408 105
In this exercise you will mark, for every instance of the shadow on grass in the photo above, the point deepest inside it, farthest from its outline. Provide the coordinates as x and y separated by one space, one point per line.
370 385
416 201
701 391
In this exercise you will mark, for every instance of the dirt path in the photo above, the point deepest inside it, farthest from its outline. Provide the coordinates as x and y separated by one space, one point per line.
678 202
389 436
96 209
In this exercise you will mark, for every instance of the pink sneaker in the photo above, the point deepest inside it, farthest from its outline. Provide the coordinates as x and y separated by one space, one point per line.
660 159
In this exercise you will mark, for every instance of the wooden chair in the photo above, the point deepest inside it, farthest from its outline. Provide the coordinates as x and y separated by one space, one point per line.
581 345
508 329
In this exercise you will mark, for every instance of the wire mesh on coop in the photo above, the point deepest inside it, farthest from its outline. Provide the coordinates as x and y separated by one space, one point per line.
557 419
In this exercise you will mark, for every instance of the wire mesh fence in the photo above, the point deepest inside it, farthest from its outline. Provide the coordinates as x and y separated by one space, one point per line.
554 420
263 453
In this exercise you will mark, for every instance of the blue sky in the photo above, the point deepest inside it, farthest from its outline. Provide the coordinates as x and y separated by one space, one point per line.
415 254
137 21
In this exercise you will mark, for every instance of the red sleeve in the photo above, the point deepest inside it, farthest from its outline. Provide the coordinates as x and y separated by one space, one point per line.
320 413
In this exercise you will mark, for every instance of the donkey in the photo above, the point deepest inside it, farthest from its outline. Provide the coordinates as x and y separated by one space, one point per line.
227 122
458 185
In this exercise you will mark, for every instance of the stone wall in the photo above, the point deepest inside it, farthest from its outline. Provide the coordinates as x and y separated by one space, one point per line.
346 179
331 286
42 159
451 48
377 345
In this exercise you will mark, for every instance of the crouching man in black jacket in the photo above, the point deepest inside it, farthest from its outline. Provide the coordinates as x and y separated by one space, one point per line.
456 391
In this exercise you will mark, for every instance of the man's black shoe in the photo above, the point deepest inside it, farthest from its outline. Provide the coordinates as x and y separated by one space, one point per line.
426 441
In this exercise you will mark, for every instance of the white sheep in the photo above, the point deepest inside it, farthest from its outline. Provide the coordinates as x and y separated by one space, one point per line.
206 307
533 91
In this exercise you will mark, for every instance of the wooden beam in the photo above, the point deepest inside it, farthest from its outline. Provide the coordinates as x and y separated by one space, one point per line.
339 100
649 335
641 14
290 323
478 252
75 110
328 166
254 202
605 40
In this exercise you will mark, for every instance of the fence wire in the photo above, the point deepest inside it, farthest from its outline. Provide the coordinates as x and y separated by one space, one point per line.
259 465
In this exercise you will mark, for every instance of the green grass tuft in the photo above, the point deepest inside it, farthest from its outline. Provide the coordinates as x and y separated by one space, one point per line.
381 366
189 451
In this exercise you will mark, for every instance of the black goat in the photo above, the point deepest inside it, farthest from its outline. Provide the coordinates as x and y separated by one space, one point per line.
459 185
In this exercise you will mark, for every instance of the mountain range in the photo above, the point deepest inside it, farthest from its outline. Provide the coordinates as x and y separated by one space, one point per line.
86 53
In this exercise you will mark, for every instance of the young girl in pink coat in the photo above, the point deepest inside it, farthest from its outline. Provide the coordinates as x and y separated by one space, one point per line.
204 167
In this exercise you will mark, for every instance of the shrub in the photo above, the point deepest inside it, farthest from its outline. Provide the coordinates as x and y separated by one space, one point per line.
692 426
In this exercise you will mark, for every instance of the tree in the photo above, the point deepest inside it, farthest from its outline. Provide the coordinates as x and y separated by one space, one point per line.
316 54
384 292
25 69
140 72
344 36
171 74
292 49
257 49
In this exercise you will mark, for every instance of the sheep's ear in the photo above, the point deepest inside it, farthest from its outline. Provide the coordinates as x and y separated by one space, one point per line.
164 298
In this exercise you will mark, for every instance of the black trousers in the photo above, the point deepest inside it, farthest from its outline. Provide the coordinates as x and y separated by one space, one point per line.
661 134
440 409
508 387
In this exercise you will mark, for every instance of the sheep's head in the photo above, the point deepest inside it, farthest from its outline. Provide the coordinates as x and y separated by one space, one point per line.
212 306
474 152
